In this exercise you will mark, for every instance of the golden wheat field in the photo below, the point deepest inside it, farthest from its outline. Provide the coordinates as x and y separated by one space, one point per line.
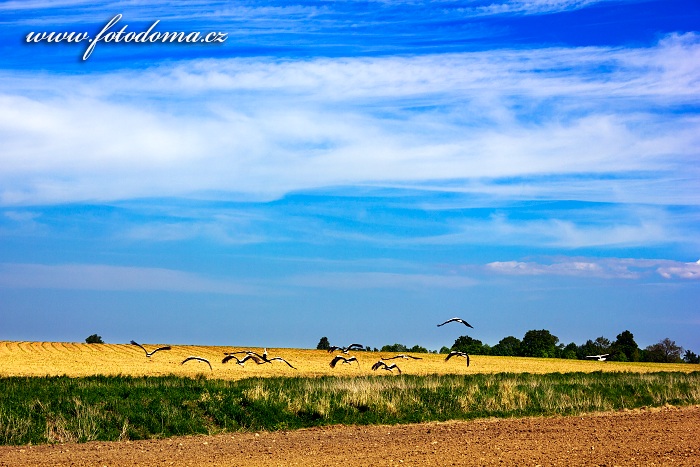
80 359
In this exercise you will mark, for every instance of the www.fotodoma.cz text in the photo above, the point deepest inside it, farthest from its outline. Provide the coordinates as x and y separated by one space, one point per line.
110 34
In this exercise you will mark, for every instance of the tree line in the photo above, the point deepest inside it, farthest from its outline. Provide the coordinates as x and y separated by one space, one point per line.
542 343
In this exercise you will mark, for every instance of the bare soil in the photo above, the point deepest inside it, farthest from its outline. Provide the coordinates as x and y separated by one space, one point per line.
666 436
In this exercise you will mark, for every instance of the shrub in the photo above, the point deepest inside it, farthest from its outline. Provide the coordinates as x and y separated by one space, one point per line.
94 339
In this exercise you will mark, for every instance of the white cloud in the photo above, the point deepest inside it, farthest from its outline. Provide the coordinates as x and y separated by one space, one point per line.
681 271
534 7
573 268
570 228
609 268
267 127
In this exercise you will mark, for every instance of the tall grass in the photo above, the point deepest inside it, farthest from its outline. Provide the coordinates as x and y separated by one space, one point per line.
60 409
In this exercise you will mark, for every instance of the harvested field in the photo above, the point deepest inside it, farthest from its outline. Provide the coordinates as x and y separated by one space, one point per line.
80 359
666 436
658 436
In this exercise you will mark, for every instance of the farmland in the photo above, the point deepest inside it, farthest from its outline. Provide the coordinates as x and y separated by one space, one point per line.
69 392
80 359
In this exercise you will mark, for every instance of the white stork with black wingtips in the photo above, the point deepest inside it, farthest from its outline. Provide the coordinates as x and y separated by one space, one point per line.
201 359
148 354
404 356
241 361
455 353
383 365
347 349
456 320
265 359
339 358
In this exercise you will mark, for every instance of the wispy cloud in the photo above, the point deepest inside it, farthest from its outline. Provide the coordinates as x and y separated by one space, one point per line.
534 7
113 278
681 270
563 226
277 15
608 268
268 127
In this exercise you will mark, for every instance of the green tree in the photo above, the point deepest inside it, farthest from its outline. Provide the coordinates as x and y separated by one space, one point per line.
570 351
690 357
394 348
94 339
323 344
418 349
507 347
665 351
444 349
470 346
599 346
625 345
602 343
539 343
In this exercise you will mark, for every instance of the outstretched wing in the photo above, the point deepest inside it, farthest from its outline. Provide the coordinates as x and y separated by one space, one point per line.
378 365
166 347
255 354
355 346
336 360
459 320
142 347
448 321
230 357
404 356
391 358
201 359
282 360
252 357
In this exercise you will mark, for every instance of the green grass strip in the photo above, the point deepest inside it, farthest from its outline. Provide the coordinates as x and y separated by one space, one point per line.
61 409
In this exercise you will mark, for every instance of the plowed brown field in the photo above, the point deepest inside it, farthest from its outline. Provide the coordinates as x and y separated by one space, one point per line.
667 436
80 359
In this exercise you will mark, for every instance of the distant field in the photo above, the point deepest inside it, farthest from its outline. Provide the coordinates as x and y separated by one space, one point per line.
80 359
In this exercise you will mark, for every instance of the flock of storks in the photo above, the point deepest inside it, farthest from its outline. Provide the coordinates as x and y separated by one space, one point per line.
249 355
263 358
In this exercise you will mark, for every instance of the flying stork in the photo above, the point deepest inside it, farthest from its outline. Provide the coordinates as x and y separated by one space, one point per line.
404 356
338 358
345 350
600 358
201 359
148 354
383 365
242 361
455 353
265 359
458 320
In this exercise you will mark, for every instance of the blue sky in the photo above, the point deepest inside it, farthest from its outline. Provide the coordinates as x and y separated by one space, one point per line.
356 170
